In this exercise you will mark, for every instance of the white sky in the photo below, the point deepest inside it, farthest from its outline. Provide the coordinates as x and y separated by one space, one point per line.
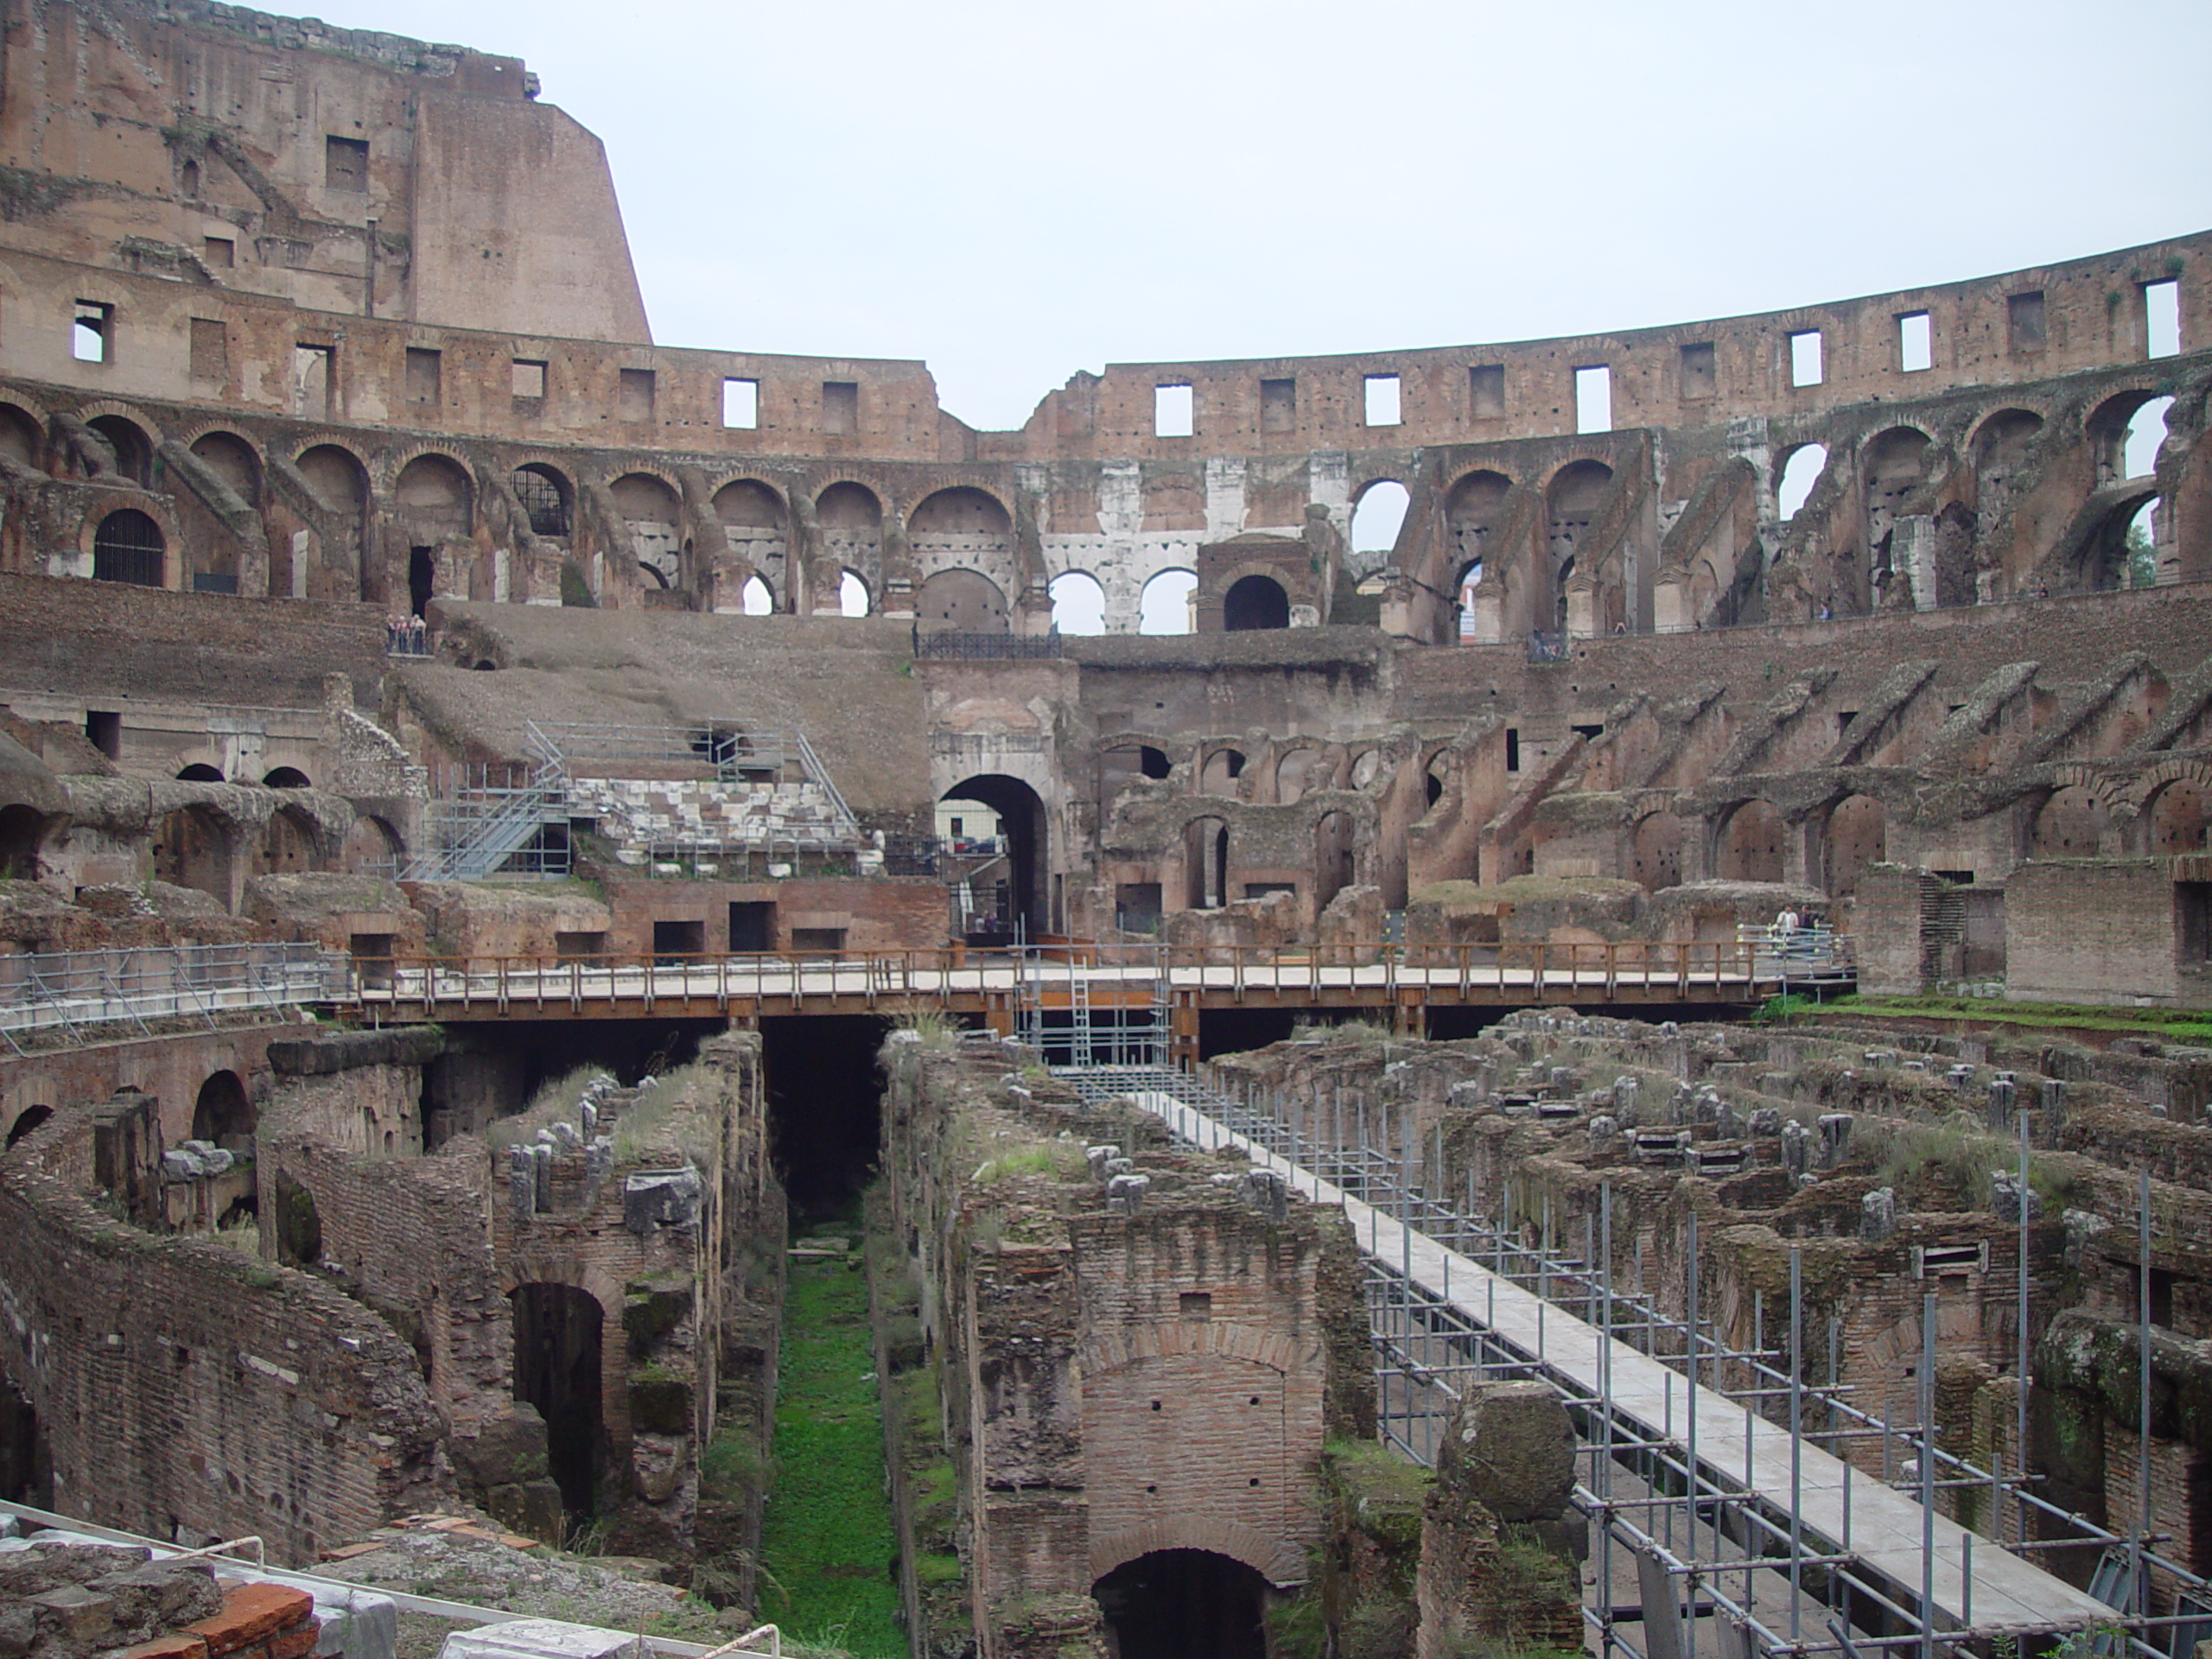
1015 191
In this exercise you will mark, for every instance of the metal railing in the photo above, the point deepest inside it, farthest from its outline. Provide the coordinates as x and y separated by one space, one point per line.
1021 647
1115 975
474 836
71 989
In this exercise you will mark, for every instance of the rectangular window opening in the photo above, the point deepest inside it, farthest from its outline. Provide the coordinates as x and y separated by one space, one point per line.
821 939
104 731
1805 368
751 924
425 374
1916 342
218 252
673 939
211 351
1513 748
636 395
346 164
1194 1303
2162 318
1593 398
1278 405
841 406
741 404
315 378
1486 388
92 339
1383 404
2024 322
1172 411
2192 921
527 378
579 946
1700 375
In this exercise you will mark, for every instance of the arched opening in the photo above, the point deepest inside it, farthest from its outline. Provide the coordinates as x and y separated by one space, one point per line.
223 1114
654 513
1463 586
1367 768
232 459
30 1118
757 600
754 523
287 844
191 849
21 831
2121 551
1205 857
134 451
848 528
1858 836
1751 844
22 439
853 595
2070 825
1078 603
1377 517
1293 772
1154 763
339 484
1894 462
557 1336
1021 815
1657 854
2178 818
285 777
372 847
1472 510
1185 1603
1333 857
962 602
964 539
129 547
1222 769
1254 603
2124 432
1999 450
545 497
1800 470
199 773
1572 503
1165 605
434 500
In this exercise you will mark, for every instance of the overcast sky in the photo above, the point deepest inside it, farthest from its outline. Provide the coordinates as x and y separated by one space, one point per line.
1014 191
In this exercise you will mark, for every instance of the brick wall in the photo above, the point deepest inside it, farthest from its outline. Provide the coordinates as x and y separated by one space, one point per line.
2080 929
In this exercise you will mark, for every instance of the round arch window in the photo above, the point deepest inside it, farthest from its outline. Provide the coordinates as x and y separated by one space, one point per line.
128 547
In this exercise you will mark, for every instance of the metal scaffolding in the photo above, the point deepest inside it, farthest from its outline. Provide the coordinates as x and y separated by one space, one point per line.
1723 1511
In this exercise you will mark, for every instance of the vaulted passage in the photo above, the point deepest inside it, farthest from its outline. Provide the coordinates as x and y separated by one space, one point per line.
26 1464
558 1370
824 1097
1184 1604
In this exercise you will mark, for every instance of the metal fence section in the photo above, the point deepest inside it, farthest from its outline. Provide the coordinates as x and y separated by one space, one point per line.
949 642
1714 1524
71 989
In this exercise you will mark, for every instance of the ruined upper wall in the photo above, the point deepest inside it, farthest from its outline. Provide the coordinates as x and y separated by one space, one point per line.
342 170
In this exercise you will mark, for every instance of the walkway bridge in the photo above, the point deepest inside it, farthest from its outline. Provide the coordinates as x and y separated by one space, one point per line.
1126 995
1713 1527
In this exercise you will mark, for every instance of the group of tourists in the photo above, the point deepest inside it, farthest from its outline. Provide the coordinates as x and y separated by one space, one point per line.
406 636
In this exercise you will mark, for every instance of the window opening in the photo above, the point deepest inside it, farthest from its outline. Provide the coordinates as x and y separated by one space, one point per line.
1594 399
314 374
2024 321
1171 412
1278 405
127 547
1916 342
636 395
1805 368
346 164
1487 387
541 499
841 406
104 731
1701 377
527 378
218 253
741 404
2162 318
92 339
1383 404
425 370
1513 748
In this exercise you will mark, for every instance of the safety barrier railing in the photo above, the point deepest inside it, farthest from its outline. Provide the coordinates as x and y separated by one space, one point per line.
1597 971
72 989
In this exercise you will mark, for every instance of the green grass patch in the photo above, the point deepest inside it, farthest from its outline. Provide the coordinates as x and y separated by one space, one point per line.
2172 1025
828 1536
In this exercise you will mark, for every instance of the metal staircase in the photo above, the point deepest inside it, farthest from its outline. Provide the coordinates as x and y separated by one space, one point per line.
473 835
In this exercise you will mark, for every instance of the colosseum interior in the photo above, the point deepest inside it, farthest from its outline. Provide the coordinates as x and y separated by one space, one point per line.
593 994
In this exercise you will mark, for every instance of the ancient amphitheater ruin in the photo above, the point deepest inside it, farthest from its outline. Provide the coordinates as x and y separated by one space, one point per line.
1616 1074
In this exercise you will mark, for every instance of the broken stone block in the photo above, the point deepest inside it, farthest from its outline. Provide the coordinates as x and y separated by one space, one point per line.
1267 1191
1766 1120
1796 1147
1125 1194
663 1197
1511 1447
2007 1195
1098 1156
1878 1216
